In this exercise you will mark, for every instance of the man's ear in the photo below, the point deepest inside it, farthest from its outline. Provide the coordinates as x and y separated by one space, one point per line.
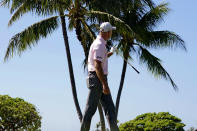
108 33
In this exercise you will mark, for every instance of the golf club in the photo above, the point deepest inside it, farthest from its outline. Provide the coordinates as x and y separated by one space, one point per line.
125 59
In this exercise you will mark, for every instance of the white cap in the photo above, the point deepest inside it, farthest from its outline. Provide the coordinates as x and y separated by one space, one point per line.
106 26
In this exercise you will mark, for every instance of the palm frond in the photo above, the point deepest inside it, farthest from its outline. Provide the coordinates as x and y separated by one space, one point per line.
15 5
122 27
39 7
78 29
71 24
5 3
30 36
88 29
84 64
22 10
153 17
103 5
154 66
48 7
133 10
150 3
88 37
123 48
162 39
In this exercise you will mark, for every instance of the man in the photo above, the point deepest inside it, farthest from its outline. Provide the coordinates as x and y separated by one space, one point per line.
97 81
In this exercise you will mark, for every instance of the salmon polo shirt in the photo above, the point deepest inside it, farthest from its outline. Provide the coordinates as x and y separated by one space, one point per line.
98 51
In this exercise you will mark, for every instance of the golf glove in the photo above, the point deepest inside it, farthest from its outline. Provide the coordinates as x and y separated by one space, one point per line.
113 49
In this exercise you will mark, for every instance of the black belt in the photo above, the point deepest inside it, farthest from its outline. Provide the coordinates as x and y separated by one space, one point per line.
94 73
91 72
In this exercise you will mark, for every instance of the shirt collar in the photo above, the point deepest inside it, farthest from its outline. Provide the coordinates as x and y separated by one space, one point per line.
101 38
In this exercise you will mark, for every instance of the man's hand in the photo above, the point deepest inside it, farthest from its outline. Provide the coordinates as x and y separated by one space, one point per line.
106 90
113 49
109 54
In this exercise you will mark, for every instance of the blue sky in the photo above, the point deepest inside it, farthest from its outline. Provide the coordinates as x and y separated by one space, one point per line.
40 75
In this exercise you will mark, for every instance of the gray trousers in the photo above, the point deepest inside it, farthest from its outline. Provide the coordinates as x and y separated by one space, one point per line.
96 95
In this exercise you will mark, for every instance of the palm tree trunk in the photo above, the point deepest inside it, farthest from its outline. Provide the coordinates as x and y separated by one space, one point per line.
72 79
124 68
102 120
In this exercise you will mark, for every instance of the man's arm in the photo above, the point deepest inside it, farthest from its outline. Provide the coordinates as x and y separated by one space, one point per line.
100 74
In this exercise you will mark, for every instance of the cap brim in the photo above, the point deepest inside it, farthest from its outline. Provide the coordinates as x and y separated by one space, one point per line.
113 28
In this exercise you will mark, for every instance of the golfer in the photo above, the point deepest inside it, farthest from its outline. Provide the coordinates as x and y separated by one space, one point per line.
97 81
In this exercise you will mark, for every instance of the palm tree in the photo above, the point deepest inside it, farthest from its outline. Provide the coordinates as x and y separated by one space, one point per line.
136 26
30 36
130 35
143 24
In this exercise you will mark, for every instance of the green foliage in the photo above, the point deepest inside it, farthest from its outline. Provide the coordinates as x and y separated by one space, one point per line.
192 129
135 22
162 39
38 7
162 121
124 28
136 33
152 18
154 66
27 38
17 114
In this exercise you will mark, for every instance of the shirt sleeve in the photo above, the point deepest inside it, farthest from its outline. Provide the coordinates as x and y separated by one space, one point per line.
99 52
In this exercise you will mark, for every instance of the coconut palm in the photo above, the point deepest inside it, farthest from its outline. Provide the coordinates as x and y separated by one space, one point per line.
30 36
136 26
145 38
132 39
21 41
